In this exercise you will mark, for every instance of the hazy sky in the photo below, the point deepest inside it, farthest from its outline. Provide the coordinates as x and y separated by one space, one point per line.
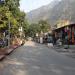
28 5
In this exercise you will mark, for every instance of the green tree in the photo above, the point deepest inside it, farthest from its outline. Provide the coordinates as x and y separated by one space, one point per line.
44 26
7 14
33 29
37 28
9 11
25 27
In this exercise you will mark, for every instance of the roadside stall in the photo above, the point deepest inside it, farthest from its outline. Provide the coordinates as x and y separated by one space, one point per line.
66 33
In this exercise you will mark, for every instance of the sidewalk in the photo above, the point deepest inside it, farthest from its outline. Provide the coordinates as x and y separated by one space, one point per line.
72 48
6 51
68 52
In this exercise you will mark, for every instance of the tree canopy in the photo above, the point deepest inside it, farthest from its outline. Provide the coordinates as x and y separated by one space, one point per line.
10 11
41 26
44 26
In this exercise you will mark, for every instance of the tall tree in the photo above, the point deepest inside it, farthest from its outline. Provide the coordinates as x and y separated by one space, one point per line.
33 29
9 10
44 26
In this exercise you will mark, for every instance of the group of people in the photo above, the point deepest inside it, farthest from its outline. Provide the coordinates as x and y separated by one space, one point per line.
52 39
3 42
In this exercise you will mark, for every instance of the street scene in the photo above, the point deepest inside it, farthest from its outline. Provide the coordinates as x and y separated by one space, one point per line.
33 58
37 37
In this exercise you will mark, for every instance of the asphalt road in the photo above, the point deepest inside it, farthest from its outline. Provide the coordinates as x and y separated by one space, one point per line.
37 59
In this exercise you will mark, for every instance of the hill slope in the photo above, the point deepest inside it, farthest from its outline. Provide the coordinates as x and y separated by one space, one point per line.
55 11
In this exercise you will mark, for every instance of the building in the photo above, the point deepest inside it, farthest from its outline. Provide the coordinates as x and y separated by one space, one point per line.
66 32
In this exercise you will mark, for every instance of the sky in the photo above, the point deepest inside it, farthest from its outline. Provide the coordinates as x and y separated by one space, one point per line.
28 5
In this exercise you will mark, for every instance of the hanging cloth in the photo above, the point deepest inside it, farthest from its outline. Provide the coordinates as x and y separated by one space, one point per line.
73 35
68 34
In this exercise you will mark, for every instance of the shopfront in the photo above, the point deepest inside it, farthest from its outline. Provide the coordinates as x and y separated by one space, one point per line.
66 33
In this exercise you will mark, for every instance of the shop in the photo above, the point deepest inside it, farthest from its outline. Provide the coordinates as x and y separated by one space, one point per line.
66 33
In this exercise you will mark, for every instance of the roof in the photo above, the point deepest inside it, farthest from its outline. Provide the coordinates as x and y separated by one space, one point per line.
62 26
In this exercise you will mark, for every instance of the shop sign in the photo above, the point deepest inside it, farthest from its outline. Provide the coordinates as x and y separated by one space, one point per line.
62 24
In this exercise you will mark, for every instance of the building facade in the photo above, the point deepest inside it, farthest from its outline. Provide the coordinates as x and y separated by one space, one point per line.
66 33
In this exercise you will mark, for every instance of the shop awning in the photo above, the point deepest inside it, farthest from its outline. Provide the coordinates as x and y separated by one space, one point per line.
62 26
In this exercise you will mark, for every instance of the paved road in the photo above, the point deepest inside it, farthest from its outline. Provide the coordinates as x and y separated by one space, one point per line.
36 59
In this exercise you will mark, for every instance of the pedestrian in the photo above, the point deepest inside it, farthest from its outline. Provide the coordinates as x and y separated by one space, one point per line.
41 40
66 42
1 43
50 40
54 39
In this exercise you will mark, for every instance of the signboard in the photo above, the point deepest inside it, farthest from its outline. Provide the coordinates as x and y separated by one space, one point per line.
63 23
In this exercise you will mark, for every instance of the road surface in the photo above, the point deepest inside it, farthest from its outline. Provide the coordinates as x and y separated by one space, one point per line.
37 59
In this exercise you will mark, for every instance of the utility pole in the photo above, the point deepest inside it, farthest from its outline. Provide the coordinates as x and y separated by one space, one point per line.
9 33
8 13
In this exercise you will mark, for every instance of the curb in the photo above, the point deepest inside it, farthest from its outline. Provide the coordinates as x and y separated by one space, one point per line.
9 51
2 57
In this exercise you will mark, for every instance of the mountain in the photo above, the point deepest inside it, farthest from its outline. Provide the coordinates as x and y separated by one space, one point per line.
54 12
65 10
41 13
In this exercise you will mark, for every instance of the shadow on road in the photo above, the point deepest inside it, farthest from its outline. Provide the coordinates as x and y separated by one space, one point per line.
36 59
